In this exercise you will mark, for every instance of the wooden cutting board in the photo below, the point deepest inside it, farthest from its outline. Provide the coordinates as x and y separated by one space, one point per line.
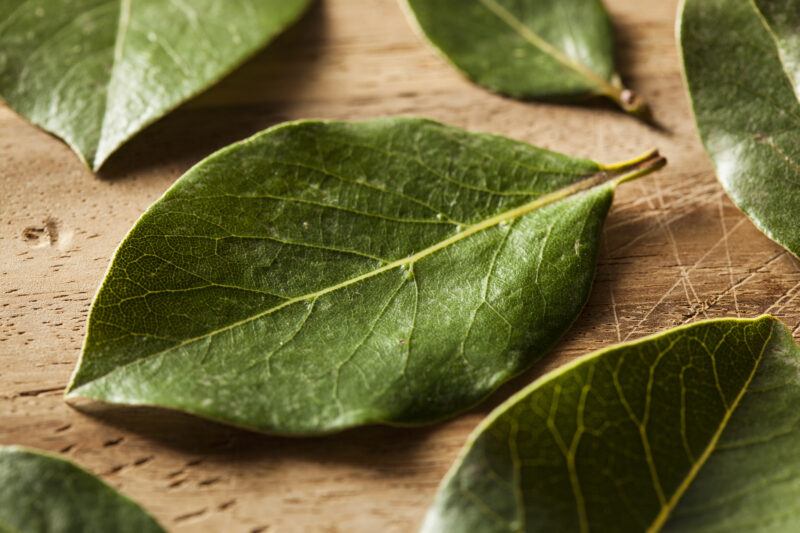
675 250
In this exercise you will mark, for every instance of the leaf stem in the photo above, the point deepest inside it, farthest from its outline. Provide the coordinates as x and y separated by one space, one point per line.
628 101
624 165
637 167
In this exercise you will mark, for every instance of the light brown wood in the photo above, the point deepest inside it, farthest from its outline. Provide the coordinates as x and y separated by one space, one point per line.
675 250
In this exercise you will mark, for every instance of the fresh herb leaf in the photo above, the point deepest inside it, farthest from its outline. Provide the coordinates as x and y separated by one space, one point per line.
44 494
742 67
96 72
694 429
323 275
547 49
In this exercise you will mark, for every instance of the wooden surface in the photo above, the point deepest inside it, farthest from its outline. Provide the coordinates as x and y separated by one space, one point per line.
675 250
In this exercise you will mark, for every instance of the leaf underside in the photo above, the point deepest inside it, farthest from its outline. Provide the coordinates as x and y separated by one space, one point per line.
695 429
96 72
44 494
547 49
750 124
322 275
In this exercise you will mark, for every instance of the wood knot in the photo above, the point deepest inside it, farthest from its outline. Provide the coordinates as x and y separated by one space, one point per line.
43 235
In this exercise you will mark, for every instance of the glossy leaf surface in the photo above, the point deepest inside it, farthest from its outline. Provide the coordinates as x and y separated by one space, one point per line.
44 494
96 72
550 49
695 429
742 63
322 275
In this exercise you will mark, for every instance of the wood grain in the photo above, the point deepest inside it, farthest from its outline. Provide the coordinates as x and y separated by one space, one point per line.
675 250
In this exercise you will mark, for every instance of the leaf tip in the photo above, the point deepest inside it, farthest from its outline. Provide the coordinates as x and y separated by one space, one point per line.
70 394
97 161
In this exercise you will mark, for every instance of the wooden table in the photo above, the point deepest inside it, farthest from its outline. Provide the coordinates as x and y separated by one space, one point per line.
675 250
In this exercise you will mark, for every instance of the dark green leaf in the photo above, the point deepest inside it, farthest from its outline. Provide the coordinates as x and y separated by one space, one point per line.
322 275
96 72
695 429
742 63
529 48
44 494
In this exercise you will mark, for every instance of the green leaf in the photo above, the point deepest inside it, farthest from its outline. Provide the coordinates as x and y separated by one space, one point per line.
742 65
547 49
694 429
322 275
96 72
44 494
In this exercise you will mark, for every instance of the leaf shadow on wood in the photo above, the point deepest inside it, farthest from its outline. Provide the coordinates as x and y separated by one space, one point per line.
248 100
368 448
625 48
592 104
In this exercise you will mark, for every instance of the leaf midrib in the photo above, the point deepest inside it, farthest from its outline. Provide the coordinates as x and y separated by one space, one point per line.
537 41
666 510
604 176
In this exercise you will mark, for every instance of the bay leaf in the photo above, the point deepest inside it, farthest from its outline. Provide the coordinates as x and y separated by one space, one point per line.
742 62
545 49
96 72
693 429
323 275
41 493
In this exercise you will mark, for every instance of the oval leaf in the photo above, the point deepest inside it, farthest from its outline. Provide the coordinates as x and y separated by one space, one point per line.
96 72
695 429
529 48
742 66
44 494
322 275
